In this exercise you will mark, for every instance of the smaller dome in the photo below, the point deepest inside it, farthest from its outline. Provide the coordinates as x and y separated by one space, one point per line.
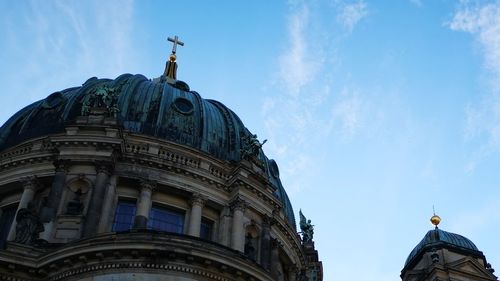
437 239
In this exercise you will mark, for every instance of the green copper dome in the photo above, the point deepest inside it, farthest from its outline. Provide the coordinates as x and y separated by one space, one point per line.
143 107
154 108
437 239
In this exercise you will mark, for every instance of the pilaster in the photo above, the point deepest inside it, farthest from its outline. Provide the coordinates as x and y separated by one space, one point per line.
94 213
49 211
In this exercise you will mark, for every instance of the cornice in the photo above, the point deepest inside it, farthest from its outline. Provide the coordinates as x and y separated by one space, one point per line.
139 252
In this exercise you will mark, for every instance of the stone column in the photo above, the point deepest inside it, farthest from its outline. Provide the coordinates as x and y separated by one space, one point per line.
49 211
29 188
238 207
144 204
94 212
107 208
197 203
275 258
265 246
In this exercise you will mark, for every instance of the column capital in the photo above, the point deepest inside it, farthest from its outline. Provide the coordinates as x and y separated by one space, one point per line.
147 184
62 165
198 199
267 220
238 204
30 183
104 167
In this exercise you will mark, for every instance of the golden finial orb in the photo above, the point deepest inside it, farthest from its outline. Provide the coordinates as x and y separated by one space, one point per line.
173 57
435 220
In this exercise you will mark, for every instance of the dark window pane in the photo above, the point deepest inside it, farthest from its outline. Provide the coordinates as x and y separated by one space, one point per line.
124 216
166 220
206 229
8 214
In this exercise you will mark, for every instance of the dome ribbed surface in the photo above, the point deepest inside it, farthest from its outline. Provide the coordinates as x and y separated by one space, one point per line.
145 107
438 238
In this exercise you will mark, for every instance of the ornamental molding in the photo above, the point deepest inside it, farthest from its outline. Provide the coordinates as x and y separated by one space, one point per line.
17 151
143 267
12 278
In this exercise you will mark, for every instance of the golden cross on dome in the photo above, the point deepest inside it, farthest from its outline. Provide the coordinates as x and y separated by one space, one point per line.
176 42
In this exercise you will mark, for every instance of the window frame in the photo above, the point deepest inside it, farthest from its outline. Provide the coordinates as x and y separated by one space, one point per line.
211 224
129 202
171 211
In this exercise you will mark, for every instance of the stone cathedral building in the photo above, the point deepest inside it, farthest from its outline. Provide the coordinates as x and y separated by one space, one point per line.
139 179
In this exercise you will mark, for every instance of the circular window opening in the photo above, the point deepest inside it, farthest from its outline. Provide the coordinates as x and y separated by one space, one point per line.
183 105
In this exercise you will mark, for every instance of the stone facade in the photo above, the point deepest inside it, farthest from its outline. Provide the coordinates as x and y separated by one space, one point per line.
68 188
444 264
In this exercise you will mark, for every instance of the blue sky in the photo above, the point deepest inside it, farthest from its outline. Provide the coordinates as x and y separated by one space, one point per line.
374 110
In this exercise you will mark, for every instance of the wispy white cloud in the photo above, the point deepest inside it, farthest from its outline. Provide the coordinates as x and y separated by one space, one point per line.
62 44
417 2
483 119
348 112
352 13
297 67
484 23
293 118
305 111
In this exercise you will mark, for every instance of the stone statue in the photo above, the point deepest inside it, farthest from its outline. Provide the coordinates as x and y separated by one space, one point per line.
307 228
249 248
101 97
251 146
489 268
75 206
28 226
